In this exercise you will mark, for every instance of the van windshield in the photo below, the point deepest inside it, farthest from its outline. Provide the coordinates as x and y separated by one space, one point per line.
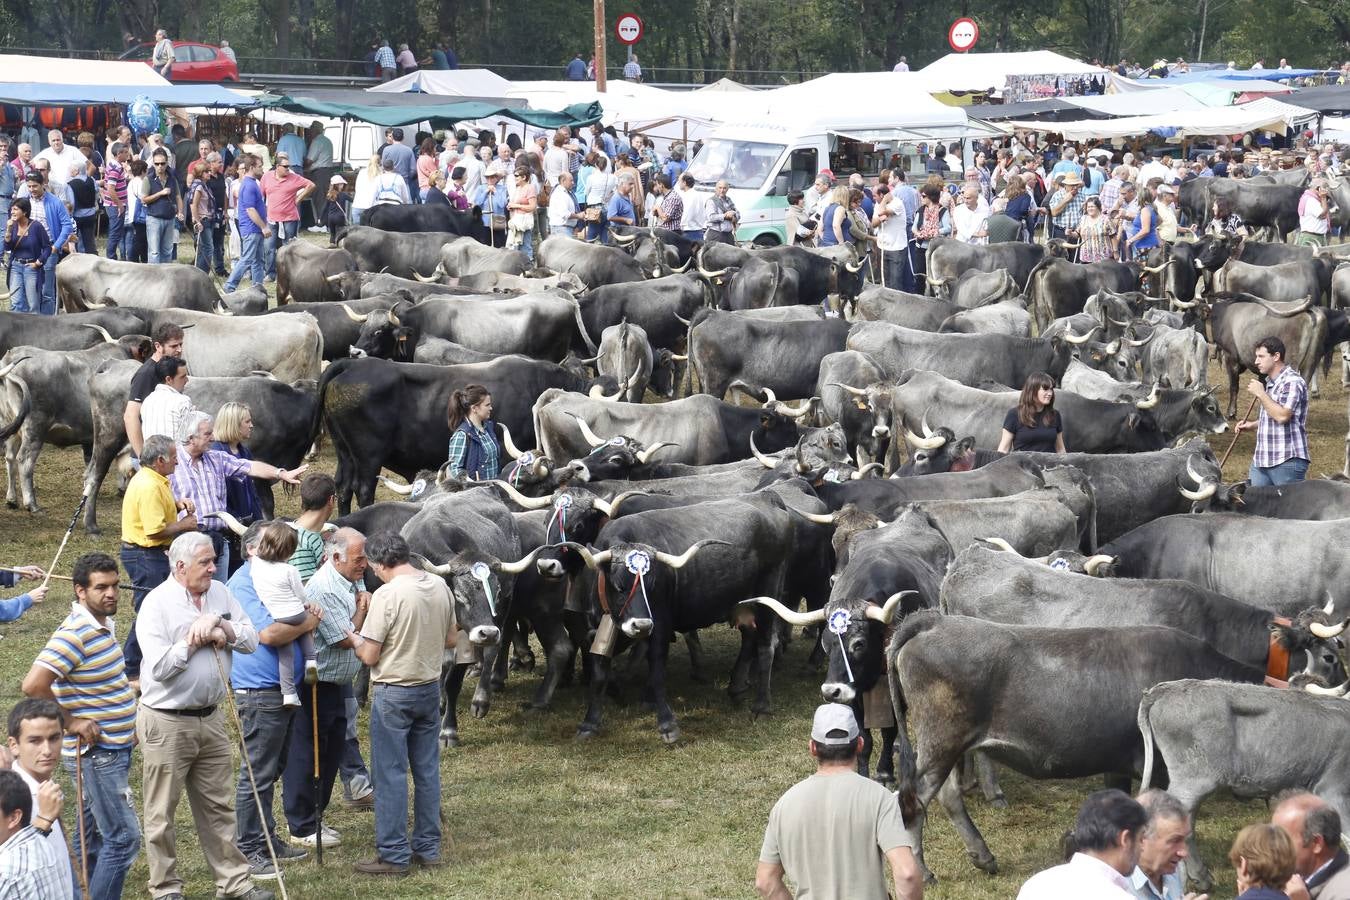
743 164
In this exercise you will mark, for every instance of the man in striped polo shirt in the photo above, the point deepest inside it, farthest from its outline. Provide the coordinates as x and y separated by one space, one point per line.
82 669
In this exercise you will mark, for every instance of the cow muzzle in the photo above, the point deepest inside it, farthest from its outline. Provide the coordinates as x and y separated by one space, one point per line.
837 692
484 635
549 568
636 628
356 352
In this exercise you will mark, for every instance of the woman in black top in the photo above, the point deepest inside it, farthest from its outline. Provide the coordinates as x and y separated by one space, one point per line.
1034 424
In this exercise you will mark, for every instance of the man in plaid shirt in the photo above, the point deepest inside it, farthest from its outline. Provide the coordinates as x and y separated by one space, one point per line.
1281 455
30 866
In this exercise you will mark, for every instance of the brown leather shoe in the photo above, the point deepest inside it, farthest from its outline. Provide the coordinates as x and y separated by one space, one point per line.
366 802
437 863
378 866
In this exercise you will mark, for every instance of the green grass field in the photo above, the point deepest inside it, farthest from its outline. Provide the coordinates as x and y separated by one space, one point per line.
535 814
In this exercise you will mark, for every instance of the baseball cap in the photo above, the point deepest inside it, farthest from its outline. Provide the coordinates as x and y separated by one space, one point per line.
1166 189
337 179
834 725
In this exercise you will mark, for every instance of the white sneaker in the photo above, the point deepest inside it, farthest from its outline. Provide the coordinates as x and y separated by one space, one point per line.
290 699
330 839
316 229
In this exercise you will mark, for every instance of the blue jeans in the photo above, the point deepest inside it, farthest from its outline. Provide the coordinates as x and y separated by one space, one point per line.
282 234
149 568
250 261
117 230
267 735
159 235
112 833
48 305
206 248
1287 472
694 235
26 283
405 733
355 775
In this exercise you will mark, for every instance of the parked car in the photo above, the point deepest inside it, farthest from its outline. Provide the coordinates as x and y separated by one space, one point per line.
191 61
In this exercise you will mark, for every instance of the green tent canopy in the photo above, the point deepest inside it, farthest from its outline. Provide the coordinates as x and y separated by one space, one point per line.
409 109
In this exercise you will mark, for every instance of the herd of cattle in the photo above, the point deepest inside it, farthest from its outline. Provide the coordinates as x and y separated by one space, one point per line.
859 494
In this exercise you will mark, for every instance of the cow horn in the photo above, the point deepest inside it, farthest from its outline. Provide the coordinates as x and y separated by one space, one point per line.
331 279
222 309
443 569
1112 348
647 454
4 373
1331 605
679 562
597 392
231 522
520 565
684 268
1150 401
791 616
1001 544
1077 339
592 560
886 611
1327 632
1192 474
678 358
404 489
704 272
857 392
1328 692
929 442
862 472
1203 494
393 320
611 507
10 294
818 518
857 268
509 445
622 238
802 409
107 338
936 281
520 499
767 462
770 398
1067 246
1134 343
1181 304
1094 564
591 437
1156 269
426 279
1118 322
353 316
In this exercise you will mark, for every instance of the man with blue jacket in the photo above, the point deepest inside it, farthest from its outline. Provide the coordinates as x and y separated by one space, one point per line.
51 212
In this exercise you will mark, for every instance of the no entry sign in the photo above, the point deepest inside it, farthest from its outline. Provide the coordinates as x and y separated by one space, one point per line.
628 28
963 34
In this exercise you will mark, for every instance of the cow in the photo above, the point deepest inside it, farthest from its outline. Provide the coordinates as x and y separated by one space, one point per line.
1288 282
853 392
594 264
886 498
940 451
1273 206
1115 357
282 415
818 275
360 285
948 258
398 253
1318 501
626 356
87 281
250 301
758 283
1213 735
384 414
1006 317
784 357
879 304
44 398
305 272
1175 358
1238 321
503 282
976 288
68 331
466 256
290 347
537 325
335 320
680 250
661 307
1170 271
409 218
1060 288
968 358
1015 708
650 252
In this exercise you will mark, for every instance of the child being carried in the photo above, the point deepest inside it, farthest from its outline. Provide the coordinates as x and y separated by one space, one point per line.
283 595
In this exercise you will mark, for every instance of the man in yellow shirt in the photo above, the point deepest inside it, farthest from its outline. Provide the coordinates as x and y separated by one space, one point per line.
149 524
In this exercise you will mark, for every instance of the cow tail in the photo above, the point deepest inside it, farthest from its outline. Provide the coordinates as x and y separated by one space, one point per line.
25 407
316 422
1146 729
1032 298
581 327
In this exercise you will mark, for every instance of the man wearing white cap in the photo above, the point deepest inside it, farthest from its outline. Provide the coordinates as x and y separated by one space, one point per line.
828 833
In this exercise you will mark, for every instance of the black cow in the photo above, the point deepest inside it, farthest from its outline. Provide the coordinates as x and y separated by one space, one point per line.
817 276
340 329
423 217
783 357
968 358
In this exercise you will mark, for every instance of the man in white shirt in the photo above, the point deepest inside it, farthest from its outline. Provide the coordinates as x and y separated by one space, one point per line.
695 208
62 156
562 207
474 170
1314 216
1106 838
1154 168
36 731
1163 844
889 220
165 411
970 217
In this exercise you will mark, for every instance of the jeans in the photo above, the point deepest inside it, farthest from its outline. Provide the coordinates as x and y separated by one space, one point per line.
250 260
206 248
48 305
405 733
112 833
266 726
5 203
693 235
159 235
1287 472
414 192
26 283
355 215
147 567
355 775
218 247
298 795
282 234
896 272
117 232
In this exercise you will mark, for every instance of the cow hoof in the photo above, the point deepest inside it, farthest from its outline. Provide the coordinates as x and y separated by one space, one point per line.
33 508
999 802
759 710
671 737
479 710
586 732
93 532
12 504
985 863
449 739
530 706
522 663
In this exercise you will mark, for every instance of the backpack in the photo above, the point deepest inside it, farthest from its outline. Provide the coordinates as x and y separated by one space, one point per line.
386 192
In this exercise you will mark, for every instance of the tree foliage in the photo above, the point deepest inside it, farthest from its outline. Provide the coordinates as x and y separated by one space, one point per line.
766 41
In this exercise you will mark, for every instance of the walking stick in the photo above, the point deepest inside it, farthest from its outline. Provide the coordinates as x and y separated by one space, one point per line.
79 813
1237 434
84 498
318 782
122 587
252 781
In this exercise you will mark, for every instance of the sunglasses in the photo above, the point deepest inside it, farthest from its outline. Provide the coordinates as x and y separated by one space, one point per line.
159 165
283 165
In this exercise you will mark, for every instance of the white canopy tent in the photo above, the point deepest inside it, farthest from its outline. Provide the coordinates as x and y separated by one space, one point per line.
990 71
1264 114
1142 103
482 83
21 69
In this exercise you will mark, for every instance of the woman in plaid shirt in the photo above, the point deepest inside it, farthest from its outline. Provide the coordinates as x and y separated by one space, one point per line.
474 452
1281 455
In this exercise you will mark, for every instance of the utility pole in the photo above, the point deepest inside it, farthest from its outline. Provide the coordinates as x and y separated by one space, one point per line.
600 45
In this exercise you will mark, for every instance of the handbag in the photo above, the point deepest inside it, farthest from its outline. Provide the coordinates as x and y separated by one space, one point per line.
592 214
496 222
522 221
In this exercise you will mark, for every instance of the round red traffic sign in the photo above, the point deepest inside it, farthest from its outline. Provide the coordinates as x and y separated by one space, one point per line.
963 34
628 28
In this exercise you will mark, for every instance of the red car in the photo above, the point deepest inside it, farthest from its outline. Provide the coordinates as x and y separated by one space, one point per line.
191 61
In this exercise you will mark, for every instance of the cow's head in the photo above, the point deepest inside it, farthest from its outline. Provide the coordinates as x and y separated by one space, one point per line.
1213 250
868 410
613 457
1205 414
847 278
1097 566
528 470
1204 474
938 451
347 285
1314 642
637 581
1112 311
664 363
380 334
480 599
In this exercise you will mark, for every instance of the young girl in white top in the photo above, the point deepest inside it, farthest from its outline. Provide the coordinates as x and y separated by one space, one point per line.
281 592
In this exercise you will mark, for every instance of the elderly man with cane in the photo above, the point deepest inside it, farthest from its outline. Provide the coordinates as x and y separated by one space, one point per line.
83 670
182 627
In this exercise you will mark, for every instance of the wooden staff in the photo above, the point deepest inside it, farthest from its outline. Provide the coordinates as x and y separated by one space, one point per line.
1237 434
79 813
84 498
49 575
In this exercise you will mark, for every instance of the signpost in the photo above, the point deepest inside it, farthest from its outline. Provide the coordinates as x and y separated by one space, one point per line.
963 34
599 44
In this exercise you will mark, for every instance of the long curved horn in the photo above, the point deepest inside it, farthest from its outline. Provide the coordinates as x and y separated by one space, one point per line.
1302 307
684 268
1134 343
1151 401
520 565
679 562
678 358
624 239
4 373
1181 304
333 279
797 412
231 522
353 316
886 611
857 392
937 281
404 489
1330 605
1156 269
1327 632
1001 544
7 296
1112 348
647 454
818 518
597 392
1328 692
1192 474
770 398
1077 339
442 570
862 473
1203 494
107 338
222 309
1094 564
520 499
591 437
1118 322
611 507
425 279
791 616
707 274
855 269
767 462
925 443
509 445
592 560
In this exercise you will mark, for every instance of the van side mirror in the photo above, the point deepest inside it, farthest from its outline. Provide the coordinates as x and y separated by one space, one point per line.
780 186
